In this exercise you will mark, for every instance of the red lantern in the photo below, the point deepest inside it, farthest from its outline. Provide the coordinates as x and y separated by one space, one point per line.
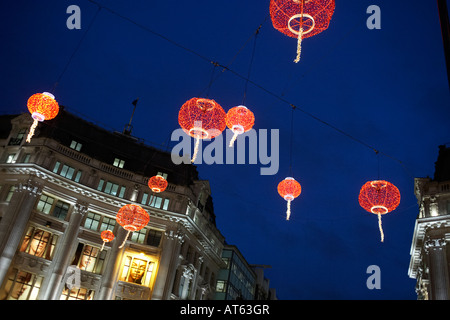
379 197
301 18
157 183
42 106
239 120
107 236
289 189
201 119
132 218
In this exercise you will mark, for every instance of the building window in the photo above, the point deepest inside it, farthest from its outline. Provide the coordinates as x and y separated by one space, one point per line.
75 145
61 210
154 237
10 193
89 258
67 172
45 204
18 138
77 294
39 243
77 176
11 158
56 167
166 204
155 202
221 286
107 224
139 236
92 221
111 188
137 269
27 157
21 285
118 163
162 174
144 198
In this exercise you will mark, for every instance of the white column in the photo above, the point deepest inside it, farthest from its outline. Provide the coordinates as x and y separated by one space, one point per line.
54 285
439 278
109 277
15 221
168 264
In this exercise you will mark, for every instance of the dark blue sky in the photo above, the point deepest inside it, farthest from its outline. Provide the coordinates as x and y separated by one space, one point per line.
387 88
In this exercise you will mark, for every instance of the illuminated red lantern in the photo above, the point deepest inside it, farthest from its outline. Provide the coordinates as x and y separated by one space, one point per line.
132 218
42 106
201 119
289 189
107 236
301 18
157 183
379 197
239 120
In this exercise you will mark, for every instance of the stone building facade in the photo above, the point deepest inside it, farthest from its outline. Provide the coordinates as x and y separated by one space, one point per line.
62 189
430 252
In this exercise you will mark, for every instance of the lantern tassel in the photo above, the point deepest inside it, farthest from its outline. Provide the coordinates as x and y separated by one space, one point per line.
103 245
380 227
32 128
288 211
233 139
299 45
125 240
197 142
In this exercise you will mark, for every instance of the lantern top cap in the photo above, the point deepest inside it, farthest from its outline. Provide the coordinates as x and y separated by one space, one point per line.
48 94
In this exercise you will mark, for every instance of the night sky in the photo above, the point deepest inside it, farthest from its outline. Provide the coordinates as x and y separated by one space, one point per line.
355 90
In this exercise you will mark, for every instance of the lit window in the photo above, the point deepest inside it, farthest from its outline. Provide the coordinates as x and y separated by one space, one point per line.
139 236
77 294
144 198
39 243
67 172
111 188
89 258
221 286
10 193
56 167
137 270
118 163
78 176
166 204
22 285
107 224
156 202
92 221
45 204
75 145
100 185
11 158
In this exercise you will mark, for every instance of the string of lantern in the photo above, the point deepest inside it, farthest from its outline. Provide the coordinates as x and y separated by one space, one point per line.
205 119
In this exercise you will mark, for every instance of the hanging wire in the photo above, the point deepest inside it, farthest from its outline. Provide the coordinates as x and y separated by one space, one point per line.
291 141
227 68
75 50
250 66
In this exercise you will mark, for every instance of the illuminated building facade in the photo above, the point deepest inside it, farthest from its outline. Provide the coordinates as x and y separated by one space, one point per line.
430 252
61 190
